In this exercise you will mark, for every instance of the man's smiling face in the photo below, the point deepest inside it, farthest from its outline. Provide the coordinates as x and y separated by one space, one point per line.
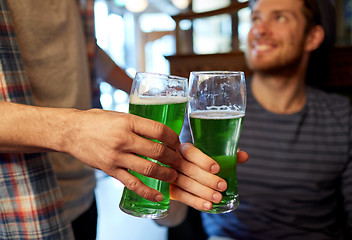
277 35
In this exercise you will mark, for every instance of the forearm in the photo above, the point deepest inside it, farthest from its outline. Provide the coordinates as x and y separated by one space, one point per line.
110 72
32 129
106 140
119 79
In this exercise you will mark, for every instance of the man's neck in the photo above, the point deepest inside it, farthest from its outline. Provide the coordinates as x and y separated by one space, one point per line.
279 94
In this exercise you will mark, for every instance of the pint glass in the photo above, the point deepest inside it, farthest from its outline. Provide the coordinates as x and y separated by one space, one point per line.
162 98
217 103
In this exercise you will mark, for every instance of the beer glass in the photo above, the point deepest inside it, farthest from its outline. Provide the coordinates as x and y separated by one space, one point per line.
162 98
217 103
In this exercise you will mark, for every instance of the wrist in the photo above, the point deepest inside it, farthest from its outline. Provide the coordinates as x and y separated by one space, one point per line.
67 126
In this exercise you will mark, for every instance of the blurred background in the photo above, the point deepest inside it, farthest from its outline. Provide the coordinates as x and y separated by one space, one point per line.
138 34
176 37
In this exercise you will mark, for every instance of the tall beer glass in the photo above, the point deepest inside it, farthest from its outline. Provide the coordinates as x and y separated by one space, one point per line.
162 98
217 103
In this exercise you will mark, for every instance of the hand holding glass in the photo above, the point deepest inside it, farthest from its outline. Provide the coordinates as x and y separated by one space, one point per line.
217 103
161 98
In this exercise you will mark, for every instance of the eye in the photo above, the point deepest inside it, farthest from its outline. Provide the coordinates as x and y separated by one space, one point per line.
254 19
280 18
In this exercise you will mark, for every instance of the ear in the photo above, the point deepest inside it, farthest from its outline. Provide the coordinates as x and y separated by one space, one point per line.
314 38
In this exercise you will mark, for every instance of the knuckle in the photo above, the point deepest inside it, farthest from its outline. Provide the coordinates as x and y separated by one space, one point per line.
186 148
151 169
145 193
190 170
119 142
123 142
133 185
158 150
159 129
129 120
175 162
186 184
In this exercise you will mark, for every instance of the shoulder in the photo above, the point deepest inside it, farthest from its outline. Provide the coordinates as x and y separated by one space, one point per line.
320 97
330 106
329 102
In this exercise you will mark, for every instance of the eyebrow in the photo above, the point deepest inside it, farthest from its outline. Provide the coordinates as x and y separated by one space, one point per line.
256 12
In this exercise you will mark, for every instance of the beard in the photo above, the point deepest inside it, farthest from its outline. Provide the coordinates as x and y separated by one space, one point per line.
283 64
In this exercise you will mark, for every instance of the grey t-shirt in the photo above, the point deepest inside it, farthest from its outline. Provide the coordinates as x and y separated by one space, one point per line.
52 45
297 182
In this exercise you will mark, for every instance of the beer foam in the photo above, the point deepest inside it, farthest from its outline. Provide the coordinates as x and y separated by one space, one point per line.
155 100
216 114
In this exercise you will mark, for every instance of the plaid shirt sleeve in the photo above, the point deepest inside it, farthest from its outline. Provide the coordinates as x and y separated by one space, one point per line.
31 205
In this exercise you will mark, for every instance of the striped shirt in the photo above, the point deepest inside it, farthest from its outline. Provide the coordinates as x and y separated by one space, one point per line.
31 204
297 183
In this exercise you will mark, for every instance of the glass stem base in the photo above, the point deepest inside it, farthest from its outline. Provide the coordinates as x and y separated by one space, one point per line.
228 206
145 212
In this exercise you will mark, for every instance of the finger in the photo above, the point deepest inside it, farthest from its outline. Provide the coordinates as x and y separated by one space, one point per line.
193 154
148 148
197 189
155 130
242 156
148 168
180 195
203 177
136 185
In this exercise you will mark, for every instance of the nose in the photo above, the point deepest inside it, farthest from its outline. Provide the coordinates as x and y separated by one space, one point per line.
261 28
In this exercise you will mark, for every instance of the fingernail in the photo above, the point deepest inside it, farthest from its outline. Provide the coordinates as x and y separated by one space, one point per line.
158 198
207 206
222 186
215 168
217 197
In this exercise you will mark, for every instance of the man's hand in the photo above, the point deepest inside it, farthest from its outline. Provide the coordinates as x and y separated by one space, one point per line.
197 185
112 141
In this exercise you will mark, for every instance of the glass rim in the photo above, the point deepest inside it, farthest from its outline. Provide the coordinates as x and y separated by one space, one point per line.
217 72
162 75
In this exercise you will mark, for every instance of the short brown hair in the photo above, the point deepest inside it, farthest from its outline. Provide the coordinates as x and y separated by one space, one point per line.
312 14
310 11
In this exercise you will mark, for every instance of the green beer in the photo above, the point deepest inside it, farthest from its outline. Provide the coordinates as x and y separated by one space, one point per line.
216 133
171 112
